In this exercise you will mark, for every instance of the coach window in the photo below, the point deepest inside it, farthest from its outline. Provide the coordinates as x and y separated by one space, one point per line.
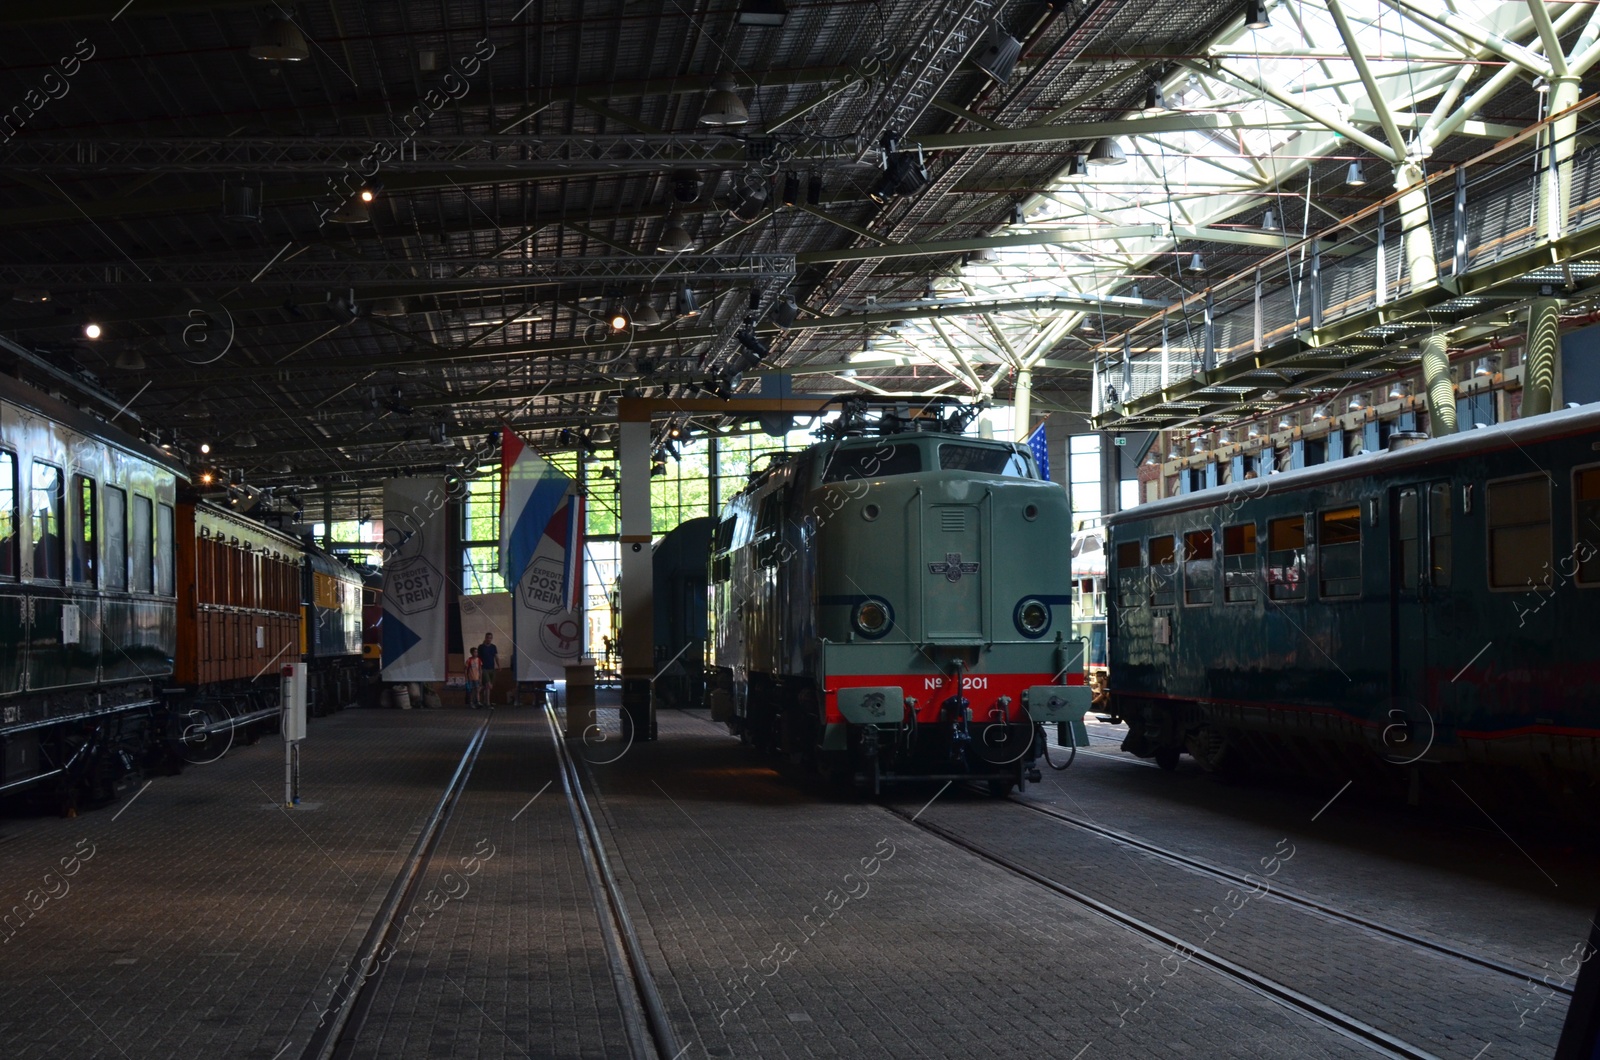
1339 556
45 513
8 515
1239 563
141 546
1407 529
1163 571
166 540
1286 558
114 528
1439 547
1130 584
1199 567
83 550
1586 525
1519 532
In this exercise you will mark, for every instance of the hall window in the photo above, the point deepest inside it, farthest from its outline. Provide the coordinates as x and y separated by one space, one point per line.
1519 532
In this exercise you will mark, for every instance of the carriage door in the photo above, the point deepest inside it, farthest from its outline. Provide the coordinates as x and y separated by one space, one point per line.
1420 565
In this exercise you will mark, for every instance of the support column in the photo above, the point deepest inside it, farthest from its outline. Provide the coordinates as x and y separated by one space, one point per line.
327 518
1542 358
1021 402
1555 191
1422 269
636 585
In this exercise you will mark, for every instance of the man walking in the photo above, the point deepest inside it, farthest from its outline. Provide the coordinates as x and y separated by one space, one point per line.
487 654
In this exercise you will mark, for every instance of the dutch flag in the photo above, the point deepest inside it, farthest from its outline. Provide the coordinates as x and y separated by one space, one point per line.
536 500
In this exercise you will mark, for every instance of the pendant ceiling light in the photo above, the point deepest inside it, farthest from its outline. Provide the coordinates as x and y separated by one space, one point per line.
1255 15
281 41
1106 152
1355 177
645 315
723 107
675 239
1270 221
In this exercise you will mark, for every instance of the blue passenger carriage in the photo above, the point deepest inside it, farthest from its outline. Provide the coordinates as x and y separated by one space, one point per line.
1427 605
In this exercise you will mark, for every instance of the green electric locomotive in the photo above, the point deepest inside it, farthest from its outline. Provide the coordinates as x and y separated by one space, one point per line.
895 603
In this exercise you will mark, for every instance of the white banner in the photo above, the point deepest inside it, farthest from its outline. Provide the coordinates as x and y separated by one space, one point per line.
549 637
414 587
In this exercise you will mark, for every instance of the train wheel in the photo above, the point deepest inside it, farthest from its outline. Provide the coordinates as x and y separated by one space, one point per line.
1167 758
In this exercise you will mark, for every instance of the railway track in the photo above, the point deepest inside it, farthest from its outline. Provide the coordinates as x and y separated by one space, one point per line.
649 1034
1335 1019
342 1020
1288 897
644 1016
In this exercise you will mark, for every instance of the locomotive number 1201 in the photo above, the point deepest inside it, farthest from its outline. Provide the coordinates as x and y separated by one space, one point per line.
966 682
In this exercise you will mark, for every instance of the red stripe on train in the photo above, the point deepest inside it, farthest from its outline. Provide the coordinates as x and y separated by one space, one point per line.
983 692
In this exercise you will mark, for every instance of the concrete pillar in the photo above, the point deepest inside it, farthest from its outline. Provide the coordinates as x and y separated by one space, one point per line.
1543 356
637 589
1423 271
327 518
1440 387
1022 402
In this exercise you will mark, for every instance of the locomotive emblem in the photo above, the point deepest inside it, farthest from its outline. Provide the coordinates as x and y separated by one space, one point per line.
952 568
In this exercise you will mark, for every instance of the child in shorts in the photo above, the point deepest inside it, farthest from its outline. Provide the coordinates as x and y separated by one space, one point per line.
474 678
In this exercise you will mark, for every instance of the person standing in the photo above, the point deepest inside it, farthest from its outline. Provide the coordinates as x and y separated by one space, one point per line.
474 678
487 656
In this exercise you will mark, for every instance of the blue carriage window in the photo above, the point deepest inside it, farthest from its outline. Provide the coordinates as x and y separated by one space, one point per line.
83 548
1130 579
1163 571
114 528
1519 533
1339 557
1239 563
44 514
1586 524
8 515
1286 558
1199 567
983 459
1407 527
141 548
1439 549
880 460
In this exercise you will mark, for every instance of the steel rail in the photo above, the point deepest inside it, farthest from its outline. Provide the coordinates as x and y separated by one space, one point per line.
1343 1023
341 1022
644 1014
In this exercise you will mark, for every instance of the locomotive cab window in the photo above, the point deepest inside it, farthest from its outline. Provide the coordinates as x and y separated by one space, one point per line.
1239 563
1519 532
843 465
83 534
984 459
44 514
114 528
1129 581
8 515
1339 555
1163 571
1286 558
1199 567
767 538
1586 524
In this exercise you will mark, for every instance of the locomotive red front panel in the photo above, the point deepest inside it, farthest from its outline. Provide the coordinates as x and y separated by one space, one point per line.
983 692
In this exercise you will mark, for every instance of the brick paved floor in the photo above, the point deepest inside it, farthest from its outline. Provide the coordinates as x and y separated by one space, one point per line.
209 922
939 955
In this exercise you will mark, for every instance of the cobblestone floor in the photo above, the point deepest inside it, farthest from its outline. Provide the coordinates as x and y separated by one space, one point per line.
779 919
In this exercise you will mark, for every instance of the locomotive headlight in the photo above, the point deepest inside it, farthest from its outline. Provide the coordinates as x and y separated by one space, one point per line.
872 618
1033 617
